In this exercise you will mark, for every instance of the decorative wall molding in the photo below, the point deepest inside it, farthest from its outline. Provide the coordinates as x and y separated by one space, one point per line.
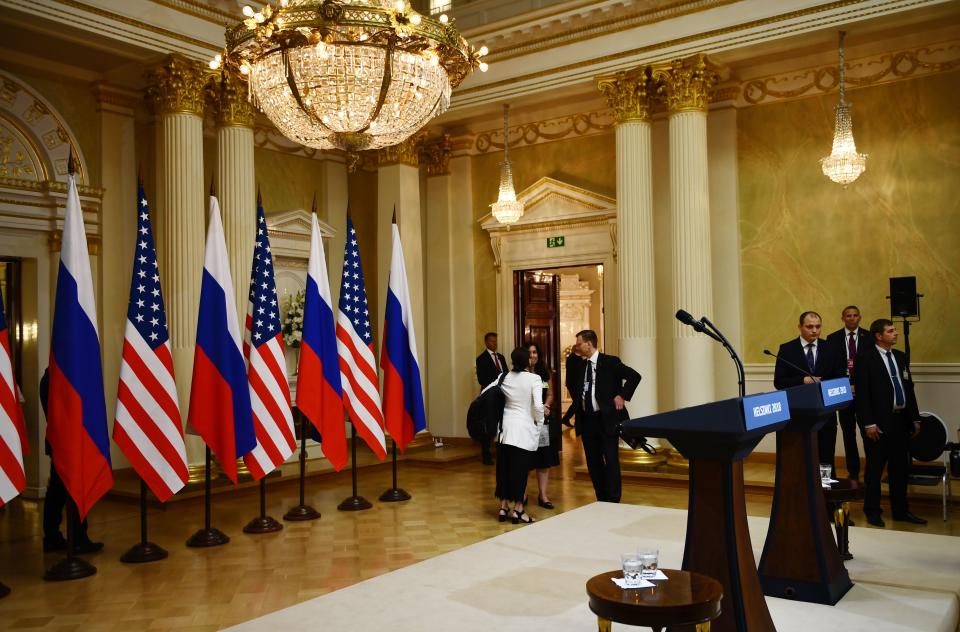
866 71
923 372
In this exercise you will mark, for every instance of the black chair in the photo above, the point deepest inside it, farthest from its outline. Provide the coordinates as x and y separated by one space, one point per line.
928 446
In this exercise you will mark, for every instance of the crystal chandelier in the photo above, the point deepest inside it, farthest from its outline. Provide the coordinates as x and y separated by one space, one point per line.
844 164
348 74
507 209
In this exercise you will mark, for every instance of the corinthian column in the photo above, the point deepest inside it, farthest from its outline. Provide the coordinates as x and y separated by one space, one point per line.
176 97
236 181
626 92
686 84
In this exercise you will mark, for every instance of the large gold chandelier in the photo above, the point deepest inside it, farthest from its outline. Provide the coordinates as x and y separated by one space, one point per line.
348 74
844 164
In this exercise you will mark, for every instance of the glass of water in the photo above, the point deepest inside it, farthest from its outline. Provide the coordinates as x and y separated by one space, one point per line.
824 472
649 559
631 569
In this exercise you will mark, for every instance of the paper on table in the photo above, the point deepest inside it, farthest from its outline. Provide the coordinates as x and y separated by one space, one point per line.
657 575
621 582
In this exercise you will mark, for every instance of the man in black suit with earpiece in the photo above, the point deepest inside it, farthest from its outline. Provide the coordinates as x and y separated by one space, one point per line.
888 415
848 342
599 385
490 364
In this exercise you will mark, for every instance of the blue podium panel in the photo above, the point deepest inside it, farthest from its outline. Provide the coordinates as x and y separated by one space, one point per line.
836 391
765 409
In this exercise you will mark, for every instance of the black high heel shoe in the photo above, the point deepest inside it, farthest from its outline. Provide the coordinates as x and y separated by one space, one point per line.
546 504
502 514
518 517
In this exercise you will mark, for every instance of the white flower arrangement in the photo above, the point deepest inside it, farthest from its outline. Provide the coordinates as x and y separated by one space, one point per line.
293 320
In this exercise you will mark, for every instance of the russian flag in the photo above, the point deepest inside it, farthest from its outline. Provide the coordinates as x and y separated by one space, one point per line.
402 392
77 412
220 407
319 393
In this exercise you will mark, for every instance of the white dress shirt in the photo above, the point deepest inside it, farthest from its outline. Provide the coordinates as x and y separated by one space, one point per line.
803 345
593 391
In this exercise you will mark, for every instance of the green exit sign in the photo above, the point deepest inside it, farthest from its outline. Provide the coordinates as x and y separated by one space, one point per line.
556 242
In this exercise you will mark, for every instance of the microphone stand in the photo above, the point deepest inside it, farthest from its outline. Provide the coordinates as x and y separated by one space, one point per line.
733 354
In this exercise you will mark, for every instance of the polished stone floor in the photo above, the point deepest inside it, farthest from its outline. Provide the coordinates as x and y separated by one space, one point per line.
206 589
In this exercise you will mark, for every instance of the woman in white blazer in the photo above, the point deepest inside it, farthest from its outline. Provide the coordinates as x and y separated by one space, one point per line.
520 435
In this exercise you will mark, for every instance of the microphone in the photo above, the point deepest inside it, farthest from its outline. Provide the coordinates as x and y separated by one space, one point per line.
687 318
789 363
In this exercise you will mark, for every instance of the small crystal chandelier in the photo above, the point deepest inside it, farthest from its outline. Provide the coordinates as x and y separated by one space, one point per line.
507 209
844 164
348 74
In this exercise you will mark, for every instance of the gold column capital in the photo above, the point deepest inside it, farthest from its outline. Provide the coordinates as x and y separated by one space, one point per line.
230 99
405 153
176 86
435 155
686 83
627 93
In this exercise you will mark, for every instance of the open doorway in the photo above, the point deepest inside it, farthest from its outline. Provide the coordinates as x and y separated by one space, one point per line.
551 305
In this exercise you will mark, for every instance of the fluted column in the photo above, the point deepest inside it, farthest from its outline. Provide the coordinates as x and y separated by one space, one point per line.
176 97
686 84
627 93
398 187
236 182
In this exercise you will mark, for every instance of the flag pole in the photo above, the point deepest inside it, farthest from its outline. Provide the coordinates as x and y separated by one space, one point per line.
394 494
302 511
354 502
207 536
143 551
70 567
263 523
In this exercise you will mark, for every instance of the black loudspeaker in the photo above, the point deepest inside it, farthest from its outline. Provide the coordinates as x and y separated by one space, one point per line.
903 296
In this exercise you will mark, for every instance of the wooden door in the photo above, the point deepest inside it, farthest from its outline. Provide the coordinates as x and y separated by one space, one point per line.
537 317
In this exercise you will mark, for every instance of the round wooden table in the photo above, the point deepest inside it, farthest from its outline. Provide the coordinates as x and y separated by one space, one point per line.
682 599
838 497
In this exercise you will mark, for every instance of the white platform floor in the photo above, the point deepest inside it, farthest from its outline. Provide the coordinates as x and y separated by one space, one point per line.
533 578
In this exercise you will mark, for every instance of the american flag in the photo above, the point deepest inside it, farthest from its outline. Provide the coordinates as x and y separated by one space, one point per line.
13 434
358 371
266 369
148 428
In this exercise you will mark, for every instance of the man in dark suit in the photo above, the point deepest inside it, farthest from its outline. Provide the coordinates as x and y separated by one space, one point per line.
599 385
888 415
817 357
848 342
490 365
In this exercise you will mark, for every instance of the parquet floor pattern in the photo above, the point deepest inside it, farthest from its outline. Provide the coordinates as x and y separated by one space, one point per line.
198 590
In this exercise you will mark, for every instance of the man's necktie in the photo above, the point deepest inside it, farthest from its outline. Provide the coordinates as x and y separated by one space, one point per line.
496 361
588 389
852 346
811 362
898 398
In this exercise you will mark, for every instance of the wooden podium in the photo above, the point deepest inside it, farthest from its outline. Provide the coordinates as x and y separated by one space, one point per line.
800 558
715 438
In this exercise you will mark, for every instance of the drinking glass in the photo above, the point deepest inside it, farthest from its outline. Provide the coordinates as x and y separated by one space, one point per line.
824 472
649 559
631 569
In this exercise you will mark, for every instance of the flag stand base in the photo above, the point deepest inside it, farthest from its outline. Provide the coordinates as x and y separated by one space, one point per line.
262 524
208 537
301 512
4 590
354 503
144 552
394 495
70 568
